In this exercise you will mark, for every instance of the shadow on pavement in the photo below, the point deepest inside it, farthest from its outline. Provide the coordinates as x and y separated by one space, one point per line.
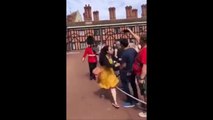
104 94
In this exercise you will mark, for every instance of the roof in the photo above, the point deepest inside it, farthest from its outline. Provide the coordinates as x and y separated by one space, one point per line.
72 16
106 22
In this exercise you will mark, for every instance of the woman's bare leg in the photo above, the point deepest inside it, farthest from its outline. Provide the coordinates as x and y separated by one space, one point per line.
113 92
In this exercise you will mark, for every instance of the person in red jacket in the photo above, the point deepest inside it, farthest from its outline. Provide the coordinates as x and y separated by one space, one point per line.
140 68
92 58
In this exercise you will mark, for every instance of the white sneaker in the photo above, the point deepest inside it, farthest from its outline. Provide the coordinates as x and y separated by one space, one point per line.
142 114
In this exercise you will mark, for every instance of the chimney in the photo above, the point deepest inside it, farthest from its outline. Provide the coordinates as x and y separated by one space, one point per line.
143 7
112 13
96 15
87 13
135 13
128 12
110 16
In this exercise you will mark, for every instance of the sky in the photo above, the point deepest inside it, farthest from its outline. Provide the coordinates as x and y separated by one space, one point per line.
103 5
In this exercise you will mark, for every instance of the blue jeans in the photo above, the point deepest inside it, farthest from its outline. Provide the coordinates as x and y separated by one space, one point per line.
125 79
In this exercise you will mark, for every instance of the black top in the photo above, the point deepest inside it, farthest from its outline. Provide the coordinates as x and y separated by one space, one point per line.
104 61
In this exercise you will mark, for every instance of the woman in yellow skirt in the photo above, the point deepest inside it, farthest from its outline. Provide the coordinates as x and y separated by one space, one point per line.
107 78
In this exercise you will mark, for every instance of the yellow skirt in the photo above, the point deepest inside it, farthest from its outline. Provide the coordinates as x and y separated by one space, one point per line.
107 78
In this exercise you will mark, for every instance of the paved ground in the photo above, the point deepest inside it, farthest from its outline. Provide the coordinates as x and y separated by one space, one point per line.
83 96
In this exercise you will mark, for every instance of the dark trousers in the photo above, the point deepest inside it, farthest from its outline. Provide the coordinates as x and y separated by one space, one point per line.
92 66
125 79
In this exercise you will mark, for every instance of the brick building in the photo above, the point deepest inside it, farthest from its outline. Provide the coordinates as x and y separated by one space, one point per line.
106 31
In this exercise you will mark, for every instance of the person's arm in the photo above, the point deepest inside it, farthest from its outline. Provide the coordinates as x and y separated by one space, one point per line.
123 65
134 35
116 53
143 74
85 54
91 55
144 68
119 55
123 61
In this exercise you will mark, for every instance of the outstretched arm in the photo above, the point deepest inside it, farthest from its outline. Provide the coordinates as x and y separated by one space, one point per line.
134 35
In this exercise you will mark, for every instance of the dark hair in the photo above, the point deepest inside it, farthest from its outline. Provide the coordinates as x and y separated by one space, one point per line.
103 53
104 50
124 42
125 31
90 40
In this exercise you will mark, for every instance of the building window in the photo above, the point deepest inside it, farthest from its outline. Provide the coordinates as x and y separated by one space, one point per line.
73 46
70 46
83 45
81 32
103 30
145 28
131 27
96 32
117 30
141 29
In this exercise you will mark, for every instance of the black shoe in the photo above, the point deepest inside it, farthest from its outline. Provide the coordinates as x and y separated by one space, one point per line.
94 78
91 77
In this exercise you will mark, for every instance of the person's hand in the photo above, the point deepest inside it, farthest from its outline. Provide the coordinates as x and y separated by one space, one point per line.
117 64
141 81
129 29
83 59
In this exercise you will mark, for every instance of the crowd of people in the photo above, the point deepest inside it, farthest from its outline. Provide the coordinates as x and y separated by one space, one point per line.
125 62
